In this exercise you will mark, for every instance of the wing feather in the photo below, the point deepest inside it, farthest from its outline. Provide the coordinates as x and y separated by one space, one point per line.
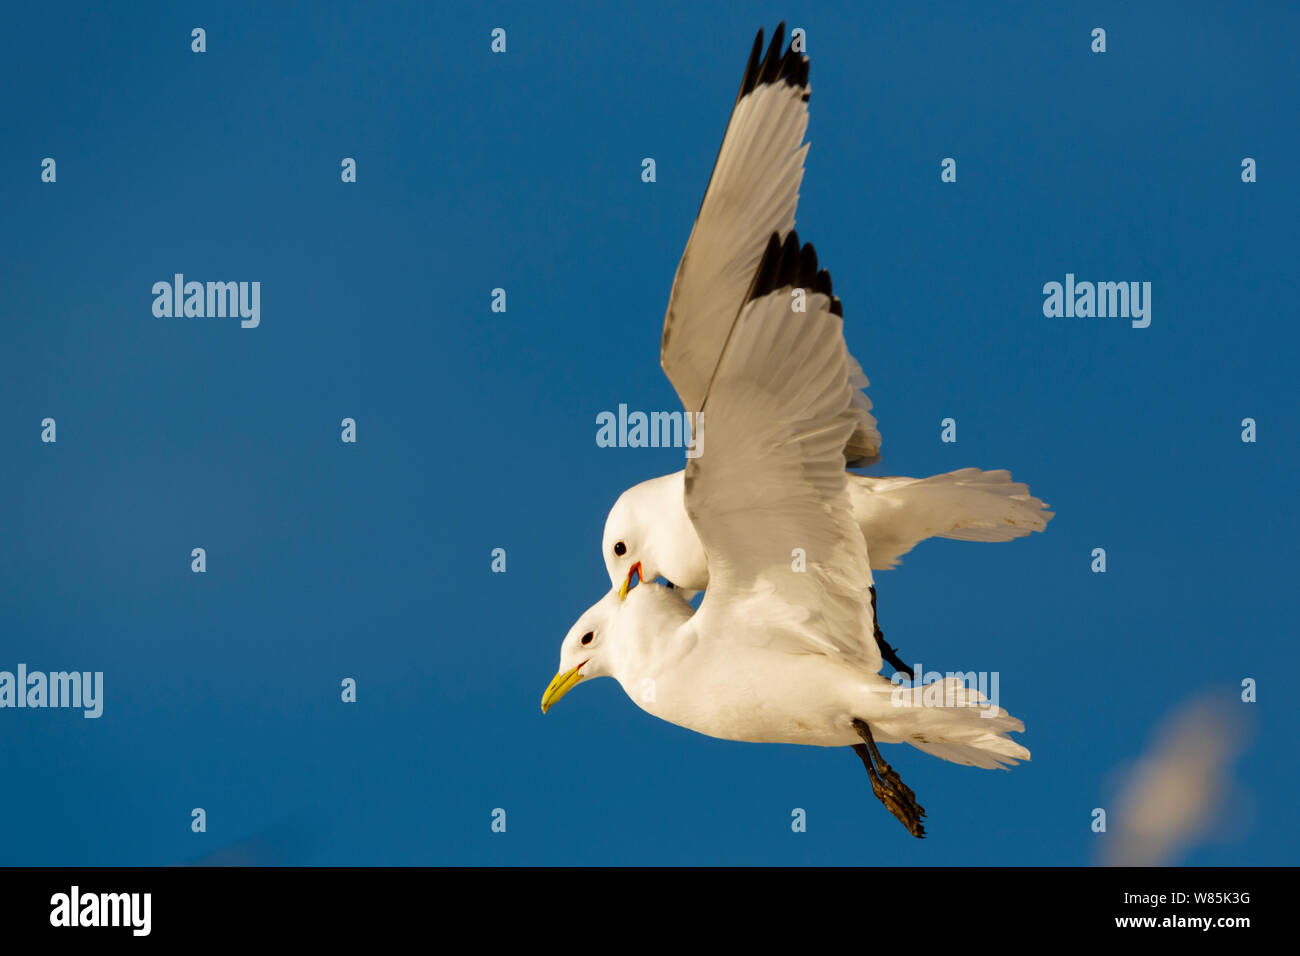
771 476
752 193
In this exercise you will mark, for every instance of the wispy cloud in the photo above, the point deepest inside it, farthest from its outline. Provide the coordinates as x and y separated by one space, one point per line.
1177 792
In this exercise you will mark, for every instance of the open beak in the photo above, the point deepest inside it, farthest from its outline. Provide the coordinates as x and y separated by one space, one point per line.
560 685
627 581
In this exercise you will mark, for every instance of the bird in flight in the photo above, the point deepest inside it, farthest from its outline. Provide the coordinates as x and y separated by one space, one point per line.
752 193
780 651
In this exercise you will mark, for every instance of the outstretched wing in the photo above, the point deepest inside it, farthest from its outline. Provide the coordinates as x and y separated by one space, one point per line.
768 494
752 193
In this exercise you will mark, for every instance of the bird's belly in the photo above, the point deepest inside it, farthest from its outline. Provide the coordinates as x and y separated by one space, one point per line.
803 702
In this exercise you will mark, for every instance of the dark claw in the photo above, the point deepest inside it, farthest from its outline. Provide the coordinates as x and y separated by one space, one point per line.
908 812
888 787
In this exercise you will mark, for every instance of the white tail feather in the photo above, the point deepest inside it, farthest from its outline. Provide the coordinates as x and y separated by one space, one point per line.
896 514
951 721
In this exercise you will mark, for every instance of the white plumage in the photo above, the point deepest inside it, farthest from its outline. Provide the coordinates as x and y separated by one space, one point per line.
894 515
777 654
783 648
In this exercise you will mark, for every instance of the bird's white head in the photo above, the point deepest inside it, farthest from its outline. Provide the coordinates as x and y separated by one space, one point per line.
648 534
622 639
585 652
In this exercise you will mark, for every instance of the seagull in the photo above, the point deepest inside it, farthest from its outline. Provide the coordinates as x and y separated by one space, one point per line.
648 534
752 193
775 653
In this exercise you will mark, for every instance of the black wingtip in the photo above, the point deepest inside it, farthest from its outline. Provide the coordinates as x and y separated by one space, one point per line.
823 283
776 66
765 278
788 273
790 264
750 79
772 62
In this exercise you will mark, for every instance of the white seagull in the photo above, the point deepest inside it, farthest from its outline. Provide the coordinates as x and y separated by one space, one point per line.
775 654
752 194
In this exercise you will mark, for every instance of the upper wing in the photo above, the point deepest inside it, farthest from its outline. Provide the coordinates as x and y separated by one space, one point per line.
896 514
752 193
770 478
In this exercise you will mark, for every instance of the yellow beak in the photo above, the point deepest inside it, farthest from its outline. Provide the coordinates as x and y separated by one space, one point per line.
560 685
627 581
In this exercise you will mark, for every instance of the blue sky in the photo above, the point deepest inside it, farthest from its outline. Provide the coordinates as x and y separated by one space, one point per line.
476 429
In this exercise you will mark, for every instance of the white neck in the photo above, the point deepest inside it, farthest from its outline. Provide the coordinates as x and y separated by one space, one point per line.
647 633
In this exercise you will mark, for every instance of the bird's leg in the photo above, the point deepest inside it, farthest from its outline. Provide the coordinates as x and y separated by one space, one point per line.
908 814
890 654
897 797
887 773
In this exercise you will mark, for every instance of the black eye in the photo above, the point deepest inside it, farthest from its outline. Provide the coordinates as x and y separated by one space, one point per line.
587 638
620 549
